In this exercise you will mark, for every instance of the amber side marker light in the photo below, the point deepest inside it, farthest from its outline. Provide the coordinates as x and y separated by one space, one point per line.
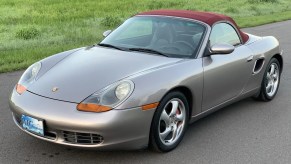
20 88
92 107
150 106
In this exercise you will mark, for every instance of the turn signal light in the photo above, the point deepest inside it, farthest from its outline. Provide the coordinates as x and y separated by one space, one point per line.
92 107
20 88
150 106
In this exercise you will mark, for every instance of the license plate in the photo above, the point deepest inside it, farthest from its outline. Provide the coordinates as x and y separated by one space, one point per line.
33 125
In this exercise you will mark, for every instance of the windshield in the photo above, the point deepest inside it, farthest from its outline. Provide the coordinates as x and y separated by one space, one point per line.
172 37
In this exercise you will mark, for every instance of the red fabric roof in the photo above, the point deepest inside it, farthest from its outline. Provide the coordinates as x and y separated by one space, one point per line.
206 17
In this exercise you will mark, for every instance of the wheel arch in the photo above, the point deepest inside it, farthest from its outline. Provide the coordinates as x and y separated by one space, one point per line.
188 94
280 59
153 142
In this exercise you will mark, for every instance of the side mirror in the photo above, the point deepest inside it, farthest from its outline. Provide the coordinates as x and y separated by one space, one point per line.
106 33
221 48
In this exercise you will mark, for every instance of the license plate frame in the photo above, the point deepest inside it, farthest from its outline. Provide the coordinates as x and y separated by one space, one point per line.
32 125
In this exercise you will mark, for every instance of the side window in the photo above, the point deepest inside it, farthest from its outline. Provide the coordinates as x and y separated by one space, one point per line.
224 33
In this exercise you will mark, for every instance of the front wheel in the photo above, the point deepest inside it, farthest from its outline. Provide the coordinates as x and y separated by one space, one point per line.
169 122
271 81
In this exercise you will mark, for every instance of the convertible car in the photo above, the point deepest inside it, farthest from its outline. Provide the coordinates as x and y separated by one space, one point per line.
146 81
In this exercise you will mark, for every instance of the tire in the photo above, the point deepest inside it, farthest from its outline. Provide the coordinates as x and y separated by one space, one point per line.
170 122
271 81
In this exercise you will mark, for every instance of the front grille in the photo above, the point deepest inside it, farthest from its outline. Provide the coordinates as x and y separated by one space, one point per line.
82 138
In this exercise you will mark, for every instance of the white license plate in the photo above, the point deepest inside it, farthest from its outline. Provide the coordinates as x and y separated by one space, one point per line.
33 125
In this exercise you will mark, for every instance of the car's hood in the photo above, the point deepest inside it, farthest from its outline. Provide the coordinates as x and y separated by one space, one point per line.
89 70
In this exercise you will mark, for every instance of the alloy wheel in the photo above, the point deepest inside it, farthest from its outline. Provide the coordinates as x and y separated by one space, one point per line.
172 121
272 79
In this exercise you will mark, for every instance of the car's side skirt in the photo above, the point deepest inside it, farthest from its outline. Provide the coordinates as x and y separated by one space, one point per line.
226 103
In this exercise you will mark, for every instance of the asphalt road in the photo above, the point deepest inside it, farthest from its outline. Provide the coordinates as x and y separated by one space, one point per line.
245 132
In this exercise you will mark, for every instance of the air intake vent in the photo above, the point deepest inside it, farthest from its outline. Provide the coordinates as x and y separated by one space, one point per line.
82 138
258 66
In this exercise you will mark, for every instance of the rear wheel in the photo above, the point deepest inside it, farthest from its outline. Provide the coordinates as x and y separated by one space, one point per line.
169 122
271 81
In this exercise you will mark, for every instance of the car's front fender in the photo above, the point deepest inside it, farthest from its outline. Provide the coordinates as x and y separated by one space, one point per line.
151 86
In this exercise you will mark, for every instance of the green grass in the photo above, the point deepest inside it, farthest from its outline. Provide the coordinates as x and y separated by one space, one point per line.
33 29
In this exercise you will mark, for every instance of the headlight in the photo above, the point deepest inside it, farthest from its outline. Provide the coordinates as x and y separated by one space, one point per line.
107 98
122 90
28 77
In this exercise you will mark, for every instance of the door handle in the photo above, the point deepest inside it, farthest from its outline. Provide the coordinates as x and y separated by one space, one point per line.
250 58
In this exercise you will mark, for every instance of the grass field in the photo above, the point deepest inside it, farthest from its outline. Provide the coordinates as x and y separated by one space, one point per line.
33 29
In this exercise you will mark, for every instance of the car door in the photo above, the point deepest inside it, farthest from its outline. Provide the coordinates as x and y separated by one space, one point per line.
225 75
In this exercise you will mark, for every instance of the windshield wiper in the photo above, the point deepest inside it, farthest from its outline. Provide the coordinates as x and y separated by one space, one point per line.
148 50
110 45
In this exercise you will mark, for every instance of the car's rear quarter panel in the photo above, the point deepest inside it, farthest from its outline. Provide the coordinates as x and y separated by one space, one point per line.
264 47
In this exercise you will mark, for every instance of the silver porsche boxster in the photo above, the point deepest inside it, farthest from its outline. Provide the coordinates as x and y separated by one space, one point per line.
146 81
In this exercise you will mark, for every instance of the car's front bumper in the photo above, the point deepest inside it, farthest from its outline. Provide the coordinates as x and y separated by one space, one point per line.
64 124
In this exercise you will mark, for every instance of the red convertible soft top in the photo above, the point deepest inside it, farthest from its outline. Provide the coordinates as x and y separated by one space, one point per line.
206 17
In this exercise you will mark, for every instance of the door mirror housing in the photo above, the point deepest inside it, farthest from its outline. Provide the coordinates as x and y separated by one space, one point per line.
221 48
106 33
